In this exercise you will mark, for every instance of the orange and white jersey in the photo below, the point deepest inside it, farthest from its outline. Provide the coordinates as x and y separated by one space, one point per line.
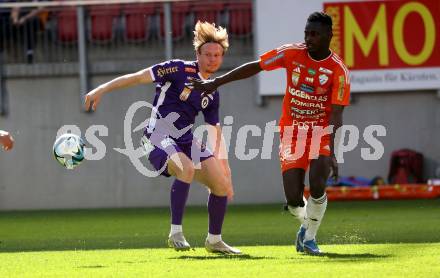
312 86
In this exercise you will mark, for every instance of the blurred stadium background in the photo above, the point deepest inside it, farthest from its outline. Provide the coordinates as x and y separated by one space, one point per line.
76 46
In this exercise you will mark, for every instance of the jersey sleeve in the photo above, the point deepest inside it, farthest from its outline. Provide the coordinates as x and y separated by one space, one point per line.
167 71
274 59
341 87
211 113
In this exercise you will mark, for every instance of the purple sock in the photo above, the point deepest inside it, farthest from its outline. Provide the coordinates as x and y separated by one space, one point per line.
178 196
216 212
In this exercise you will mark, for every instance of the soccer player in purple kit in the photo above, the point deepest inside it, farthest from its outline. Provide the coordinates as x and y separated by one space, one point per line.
169 143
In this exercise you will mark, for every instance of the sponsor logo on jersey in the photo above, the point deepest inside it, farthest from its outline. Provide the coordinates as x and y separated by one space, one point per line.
161 72
309 80
297 69
308 117
298 64
191 70
273 59
323 79
324 70
304 112
311 72
306 88
184 95
341 88
304 95
295 78
304 124
298 102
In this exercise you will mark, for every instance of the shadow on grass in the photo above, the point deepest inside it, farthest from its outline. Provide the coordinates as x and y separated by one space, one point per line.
222 257
337 257
133 262
354 256
92 266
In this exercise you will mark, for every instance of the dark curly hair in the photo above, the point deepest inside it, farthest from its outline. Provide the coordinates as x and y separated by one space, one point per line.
322 18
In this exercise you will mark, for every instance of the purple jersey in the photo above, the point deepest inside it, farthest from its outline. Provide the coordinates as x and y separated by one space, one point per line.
173 96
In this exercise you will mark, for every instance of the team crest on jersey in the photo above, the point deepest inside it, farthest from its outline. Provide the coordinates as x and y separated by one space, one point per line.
205 102
324 70
184 95
295 78
323 79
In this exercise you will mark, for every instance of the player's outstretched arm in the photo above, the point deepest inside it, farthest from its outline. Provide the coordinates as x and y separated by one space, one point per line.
94 97
336 122
6 140
241 72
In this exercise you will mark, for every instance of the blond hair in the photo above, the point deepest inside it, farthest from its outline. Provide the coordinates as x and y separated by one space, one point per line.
205 32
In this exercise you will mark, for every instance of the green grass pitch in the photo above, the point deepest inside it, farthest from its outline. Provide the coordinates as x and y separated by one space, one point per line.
361 239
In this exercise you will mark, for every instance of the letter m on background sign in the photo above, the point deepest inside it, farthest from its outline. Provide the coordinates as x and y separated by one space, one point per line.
386 34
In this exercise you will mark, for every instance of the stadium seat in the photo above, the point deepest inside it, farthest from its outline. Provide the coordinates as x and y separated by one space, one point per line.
240 18
103 19
208 11
66 25
179 12
138 21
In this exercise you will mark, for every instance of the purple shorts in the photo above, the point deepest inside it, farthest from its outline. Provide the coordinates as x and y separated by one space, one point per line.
158 156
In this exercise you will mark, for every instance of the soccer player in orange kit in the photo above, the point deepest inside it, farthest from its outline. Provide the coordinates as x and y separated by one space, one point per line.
318 89
6 140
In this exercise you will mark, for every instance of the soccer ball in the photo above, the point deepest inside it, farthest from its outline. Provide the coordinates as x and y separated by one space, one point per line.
68 150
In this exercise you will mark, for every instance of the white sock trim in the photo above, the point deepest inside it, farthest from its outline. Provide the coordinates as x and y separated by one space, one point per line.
214 238
175 229
298 212
319 200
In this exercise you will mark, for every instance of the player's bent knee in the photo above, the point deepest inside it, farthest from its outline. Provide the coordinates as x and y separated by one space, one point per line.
317 189
184 172
221 187
295 201
187 173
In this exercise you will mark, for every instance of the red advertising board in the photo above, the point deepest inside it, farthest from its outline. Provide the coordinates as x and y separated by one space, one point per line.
387 35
